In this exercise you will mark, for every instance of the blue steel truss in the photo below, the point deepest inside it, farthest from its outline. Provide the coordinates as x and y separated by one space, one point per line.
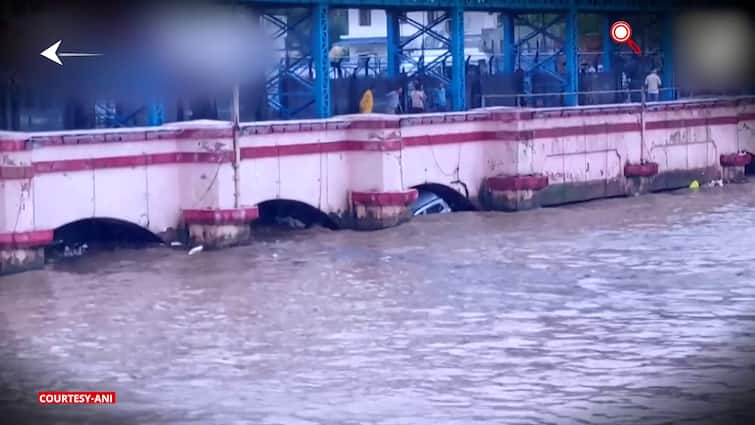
518 5
315 64
398 55
292 68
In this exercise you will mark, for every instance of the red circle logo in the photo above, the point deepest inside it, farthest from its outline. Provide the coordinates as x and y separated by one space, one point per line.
621 31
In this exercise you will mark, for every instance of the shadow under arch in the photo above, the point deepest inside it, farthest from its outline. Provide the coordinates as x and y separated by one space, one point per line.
294 214
750 168
104 231
457 201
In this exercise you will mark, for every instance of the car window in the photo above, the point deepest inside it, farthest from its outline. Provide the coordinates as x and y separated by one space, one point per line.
435 209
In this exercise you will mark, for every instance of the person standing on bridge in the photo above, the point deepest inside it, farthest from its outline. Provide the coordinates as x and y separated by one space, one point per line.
440 98
652 84
336 55
367 101
417 99
393 101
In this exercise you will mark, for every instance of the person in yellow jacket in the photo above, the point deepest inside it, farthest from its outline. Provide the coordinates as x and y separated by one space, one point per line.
365 105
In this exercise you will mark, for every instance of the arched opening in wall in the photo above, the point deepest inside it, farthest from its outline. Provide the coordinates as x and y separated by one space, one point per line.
437 198
750 168
290 214
76 238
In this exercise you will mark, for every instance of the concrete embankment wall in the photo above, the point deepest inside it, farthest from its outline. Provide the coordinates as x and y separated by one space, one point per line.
367 163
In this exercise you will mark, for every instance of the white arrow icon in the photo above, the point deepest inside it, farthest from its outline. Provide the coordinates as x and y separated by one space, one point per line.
52 53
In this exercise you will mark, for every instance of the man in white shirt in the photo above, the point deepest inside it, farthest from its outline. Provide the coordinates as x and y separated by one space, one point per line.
653 84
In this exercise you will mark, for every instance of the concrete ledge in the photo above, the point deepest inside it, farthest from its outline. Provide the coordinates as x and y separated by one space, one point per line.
647 169
221 216
741 159
733 167
531 182
384 199
513 193
219 228
379 210
23 251
566 193
29 239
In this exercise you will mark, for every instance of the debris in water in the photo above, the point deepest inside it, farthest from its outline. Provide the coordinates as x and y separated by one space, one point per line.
176 243
694 185
75 251
716 183
196 250
290 222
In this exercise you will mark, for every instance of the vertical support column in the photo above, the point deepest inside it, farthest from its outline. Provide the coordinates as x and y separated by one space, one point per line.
156 113
458 68
320 46
667 76
508 43
570 50
608 47
393 48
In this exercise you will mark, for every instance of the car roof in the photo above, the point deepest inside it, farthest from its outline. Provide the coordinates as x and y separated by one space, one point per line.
425 197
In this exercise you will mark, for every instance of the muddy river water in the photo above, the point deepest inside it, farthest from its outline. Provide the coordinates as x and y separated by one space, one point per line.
620 311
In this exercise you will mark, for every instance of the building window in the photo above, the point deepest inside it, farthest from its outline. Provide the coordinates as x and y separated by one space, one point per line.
365 17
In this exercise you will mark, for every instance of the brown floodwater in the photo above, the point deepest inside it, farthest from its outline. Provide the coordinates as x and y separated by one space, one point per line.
636 310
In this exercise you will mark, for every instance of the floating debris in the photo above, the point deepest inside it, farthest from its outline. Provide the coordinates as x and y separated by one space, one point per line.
77 251
176 243
694 185
290 222
196 250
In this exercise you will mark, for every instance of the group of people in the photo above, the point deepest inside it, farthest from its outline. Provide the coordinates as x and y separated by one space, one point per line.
418 101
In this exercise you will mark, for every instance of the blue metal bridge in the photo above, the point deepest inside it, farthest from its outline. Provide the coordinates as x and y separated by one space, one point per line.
305 83
451 13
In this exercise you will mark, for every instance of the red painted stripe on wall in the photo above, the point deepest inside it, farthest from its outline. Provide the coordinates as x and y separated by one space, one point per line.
252 152
16 173
71 165
12 145
28 239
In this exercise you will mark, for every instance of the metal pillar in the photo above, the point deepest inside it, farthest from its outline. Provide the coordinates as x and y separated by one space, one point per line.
570 50
156 113
393 47
608 46
667 76
320 46
458 68
508 44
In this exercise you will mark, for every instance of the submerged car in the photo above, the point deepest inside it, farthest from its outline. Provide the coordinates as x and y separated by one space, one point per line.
429 203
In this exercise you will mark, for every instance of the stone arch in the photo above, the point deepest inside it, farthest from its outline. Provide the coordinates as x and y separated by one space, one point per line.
456 200
280 211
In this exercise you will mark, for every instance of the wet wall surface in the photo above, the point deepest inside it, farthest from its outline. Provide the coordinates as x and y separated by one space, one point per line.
635 310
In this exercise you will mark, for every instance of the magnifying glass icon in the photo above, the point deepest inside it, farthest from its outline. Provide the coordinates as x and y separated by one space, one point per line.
621 32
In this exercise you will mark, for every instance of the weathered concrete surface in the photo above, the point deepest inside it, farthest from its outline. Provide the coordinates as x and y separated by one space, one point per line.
50 179
216 236
15 260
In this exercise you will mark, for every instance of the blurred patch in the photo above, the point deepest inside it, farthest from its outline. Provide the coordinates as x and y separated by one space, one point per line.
715 49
